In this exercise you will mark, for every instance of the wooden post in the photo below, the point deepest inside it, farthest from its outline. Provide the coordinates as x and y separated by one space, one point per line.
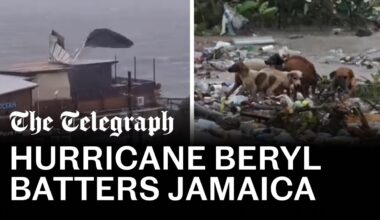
115 68
154 70
134 67
130 109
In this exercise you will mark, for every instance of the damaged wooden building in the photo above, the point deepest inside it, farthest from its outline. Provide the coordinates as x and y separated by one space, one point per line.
86 85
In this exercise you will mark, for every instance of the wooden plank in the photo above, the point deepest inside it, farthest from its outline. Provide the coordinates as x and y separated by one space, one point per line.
264 40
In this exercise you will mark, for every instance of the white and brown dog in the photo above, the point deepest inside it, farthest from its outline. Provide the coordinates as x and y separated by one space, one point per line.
268 80
289 63
252 64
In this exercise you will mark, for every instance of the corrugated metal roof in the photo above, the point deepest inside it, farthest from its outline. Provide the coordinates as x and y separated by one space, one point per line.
89 62
46 67
32 68
9 84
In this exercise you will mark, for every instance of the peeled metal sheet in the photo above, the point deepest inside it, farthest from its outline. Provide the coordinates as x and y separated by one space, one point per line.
57 52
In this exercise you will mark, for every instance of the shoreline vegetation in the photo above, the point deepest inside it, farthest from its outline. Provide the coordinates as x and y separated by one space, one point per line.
256 15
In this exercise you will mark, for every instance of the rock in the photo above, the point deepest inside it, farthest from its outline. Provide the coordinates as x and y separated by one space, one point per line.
205 136
234 135
308 136
218 132
250 127
343 140
363 32
203 124
322 138
343 132
265 137
216 106
277 131
284 138
260 131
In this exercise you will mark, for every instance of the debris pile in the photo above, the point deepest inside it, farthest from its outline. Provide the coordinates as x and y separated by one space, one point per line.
369 58
327 117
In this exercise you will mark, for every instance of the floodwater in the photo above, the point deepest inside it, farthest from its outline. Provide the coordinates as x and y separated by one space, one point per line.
159 29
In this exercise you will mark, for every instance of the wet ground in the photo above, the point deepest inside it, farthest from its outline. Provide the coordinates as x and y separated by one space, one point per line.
314 45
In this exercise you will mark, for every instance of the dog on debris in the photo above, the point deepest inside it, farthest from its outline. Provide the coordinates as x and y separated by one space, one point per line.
252 64
309 74
268 80
277 60
344 78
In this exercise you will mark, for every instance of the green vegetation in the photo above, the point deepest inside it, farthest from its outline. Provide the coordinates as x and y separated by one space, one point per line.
370 91
258 11
282 13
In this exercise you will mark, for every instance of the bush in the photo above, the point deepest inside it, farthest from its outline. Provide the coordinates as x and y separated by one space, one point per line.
260 13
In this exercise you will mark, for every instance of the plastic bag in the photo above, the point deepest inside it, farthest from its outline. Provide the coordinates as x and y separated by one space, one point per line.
231 20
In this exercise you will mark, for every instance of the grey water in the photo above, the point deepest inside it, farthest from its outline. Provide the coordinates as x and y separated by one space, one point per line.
158 28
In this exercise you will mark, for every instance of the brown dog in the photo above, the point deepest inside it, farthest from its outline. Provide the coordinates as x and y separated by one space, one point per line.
345 79
270 81
309 75
295 62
